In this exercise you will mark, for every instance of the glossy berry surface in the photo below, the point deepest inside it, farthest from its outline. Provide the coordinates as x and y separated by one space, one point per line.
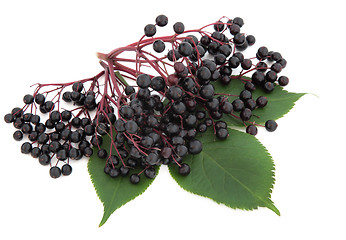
271 125
55 172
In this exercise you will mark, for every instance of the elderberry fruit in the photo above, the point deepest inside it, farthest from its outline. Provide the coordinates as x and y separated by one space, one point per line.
28 99
135 178
150 172
40 99
184 169
143 80
245 114
251 129
222 133
55 172
44 159
195 146
283 80
66 169
35 152
185 49
159 46
161 20
271 125
18 135
114 172
150 30
261 101
26 148
178 27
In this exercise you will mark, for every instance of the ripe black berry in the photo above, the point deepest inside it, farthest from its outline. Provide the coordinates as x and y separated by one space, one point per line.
61 155
44 159
271 125
185 49
245 114
66 169
251 129
245 94
150 172
174 93
114 172
28 99
135 178
233 62
152 158
161 20
271 76
195 146
27 117
268 87
55 172
124 171
250 104
35 152
276 67
102 153
42 138
178 107
55 146
35 119
250 40
227 107
246 64
66 115
102 129
283 80
149 30
119 125
219 59
238 105
131 127
129 90
262 53
40 99
258 78
159 46
184 169
9 118
234 29
77 87
26 148
203 74
261 101
207 91
18 135
178 27
222 133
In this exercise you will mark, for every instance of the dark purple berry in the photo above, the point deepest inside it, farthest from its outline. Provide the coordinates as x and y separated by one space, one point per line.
184 169
271 125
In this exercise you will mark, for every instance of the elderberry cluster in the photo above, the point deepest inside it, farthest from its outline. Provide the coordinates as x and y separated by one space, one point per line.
61 136
160 119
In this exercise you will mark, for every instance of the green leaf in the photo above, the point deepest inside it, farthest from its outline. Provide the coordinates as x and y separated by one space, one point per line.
238 172
280 102
113 192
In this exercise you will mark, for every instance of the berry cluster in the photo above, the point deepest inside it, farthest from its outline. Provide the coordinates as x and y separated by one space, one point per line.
157 119
63 135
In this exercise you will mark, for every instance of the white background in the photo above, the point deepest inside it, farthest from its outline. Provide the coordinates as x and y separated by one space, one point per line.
43 41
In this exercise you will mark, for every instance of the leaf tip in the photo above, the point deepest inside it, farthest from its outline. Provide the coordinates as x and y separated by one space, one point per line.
274 209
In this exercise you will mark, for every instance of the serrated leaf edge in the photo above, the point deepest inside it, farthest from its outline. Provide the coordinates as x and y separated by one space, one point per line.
269 204
104 219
